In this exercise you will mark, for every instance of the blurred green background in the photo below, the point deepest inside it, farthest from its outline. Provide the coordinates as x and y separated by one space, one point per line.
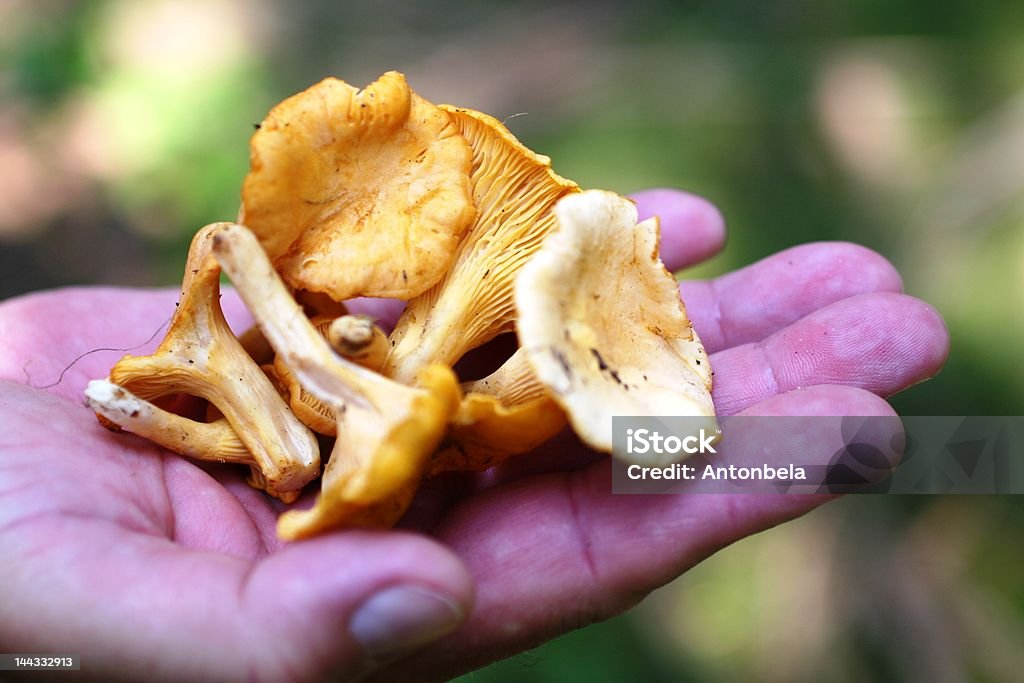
899 125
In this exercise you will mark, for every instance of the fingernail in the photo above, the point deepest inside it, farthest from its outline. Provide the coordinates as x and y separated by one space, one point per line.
400 619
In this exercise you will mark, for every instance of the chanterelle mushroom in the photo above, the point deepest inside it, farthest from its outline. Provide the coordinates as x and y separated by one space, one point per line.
386 430
200 356
504 414
514 191
359 192
601 322
377 192
486 431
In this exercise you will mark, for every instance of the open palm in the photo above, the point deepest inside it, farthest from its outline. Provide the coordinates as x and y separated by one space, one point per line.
149 565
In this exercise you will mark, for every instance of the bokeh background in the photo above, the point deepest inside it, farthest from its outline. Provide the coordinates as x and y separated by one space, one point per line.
896 124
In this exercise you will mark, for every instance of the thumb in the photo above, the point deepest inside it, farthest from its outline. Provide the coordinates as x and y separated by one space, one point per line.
138 606
348 603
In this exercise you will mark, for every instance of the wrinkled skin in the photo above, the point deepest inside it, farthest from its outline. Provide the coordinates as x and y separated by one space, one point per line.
151 566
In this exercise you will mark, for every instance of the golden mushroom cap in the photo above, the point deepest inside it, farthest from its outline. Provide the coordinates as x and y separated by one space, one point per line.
359 192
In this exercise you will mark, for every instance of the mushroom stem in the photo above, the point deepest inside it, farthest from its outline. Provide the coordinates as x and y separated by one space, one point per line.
359 336
211 441
387 431
297 342
514 382
356 338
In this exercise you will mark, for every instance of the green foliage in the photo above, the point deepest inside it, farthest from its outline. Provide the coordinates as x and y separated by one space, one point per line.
55 55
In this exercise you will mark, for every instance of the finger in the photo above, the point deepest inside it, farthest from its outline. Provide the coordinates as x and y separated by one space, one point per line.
341 604
692 229
367 596
883 343
559 551
749 304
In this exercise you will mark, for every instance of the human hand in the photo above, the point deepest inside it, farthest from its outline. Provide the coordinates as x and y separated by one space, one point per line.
149 565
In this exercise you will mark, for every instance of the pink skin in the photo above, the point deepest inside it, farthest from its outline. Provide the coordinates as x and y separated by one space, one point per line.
143 561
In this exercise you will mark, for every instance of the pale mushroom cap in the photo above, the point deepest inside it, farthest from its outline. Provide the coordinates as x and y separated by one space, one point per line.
359 192
602 324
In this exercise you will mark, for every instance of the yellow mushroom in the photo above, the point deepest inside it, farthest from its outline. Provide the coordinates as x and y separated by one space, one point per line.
514 191
201 357
377 192
358 192
387 431
485 432
602 325
507 413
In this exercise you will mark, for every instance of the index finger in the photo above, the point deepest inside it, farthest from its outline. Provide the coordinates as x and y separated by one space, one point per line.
692 229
